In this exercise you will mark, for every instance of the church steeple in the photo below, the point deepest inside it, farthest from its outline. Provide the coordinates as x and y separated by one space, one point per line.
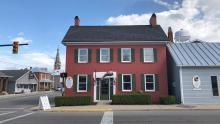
57 63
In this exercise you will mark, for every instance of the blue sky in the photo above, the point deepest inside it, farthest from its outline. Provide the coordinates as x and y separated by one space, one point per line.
43 23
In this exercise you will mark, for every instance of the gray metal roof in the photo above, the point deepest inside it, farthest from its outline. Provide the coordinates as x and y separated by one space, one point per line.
195 54
122 33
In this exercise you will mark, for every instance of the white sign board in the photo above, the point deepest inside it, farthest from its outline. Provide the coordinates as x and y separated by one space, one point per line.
69 82
196 82
44 103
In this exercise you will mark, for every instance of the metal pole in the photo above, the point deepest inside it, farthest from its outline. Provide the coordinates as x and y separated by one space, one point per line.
4 45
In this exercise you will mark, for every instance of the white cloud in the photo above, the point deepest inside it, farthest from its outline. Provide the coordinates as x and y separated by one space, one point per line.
174 5
21 34
200 17
21 39
27 60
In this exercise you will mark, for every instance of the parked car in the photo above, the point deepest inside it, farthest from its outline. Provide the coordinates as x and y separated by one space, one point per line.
58 89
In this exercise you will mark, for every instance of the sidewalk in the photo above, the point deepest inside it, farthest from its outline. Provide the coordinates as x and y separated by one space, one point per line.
103 108
23 94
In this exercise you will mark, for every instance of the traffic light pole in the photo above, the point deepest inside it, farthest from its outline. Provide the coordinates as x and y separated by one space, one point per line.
4 45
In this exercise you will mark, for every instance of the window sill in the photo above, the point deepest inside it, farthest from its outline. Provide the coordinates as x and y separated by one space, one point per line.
149 90
81 91
104 62
149 62
126 90
126 62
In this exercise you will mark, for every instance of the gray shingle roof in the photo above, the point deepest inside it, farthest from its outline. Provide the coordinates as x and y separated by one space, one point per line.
15 73
195 54
3 74
114 33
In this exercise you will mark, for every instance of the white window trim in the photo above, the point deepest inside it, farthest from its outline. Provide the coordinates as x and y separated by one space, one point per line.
101 55
150 82
126 82
79 55
78 82
122 54
145 55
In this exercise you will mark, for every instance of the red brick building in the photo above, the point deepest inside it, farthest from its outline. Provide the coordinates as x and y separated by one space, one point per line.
108 60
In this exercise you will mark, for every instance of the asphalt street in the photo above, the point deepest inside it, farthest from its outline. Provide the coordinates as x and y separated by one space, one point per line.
15 110
137 117
15 107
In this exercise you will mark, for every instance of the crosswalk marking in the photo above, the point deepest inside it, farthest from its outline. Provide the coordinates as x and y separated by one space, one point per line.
10 119
107 118
10 108
7 113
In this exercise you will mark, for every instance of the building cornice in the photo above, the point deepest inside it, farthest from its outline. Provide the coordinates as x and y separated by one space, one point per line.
115 43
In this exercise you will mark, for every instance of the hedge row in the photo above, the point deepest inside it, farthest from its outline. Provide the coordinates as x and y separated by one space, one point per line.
72 100
133 99
166 100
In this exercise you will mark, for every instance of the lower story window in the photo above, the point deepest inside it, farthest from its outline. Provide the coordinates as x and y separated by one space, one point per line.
149 82
214 86
126 82
82 83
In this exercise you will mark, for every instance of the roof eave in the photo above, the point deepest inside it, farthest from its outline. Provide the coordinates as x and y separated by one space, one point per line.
198 65
112 42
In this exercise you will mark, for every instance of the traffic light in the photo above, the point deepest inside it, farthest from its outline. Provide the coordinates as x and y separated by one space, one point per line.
63 75
15 47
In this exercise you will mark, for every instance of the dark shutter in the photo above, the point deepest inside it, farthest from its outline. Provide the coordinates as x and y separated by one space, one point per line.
74 83
88 82
132 55
75 55
133 82
157 84
142 83
111 55
119 54
97 55
142 55
89 55
155 54
120 82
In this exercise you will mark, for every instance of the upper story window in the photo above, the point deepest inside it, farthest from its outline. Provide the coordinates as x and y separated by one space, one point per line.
83 55
148 54
149 82
104 55
126 54
82 83
126 82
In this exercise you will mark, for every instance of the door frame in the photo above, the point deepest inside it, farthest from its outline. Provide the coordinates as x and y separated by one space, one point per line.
99 86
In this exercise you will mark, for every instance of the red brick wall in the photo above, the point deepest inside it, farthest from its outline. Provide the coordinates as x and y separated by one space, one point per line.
137 67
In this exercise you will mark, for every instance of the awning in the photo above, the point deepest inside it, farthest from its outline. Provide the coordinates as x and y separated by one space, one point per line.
102 75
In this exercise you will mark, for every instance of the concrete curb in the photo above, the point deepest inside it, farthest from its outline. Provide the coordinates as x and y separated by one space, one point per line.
111 109
79 110
104 108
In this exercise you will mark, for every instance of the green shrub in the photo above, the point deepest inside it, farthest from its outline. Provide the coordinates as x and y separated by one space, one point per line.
133 99
166 100
72 100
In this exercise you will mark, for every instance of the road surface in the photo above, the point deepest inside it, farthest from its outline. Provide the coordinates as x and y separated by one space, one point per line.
15 110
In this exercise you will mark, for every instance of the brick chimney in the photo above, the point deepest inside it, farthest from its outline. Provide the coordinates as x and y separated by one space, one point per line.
170 34
153 20
77 21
